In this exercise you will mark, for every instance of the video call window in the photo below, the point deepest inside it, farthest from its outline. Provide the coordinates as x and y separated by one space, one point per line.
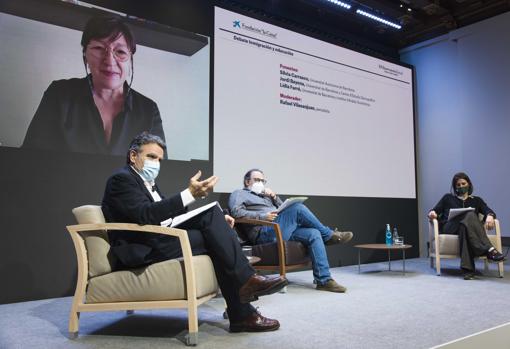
53 90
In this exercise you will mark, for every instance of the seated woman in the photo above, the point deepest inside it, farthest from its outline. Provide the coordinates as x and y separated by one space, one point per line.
100 113
473 240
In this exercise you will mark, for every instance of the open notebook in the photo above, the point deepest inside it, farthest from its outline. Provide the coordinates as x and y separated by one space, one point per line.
173 222
454 212
290 202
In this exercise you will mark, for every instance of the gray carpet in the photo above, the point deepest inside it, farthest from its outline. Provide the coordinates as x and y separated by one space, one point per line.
381 309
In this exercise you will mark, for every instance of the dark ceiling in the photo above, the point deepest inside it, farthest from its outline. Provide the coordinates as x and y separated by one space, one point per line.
420 19
426 19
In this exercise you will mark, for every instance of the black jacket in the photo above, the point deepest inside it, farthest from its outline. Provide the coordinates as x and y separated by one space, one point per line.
449 201
67 119
127 200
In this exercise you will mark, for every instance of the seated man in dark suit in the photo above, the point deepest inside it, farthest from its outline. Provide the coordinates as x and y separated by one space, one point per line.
131 196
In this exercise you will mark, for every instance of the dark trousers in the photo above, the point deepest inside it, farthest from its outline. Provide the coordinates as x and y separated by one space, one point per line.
473 240
210 234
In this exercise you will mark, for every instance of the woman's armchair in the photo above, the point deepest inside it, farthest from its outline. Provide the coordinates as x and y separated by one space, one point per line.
447 245
186 282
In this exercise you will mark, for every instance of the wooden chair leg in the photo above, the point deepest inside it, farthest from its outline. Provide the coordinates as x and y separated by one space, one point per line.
192 339
74 323
500 269
192 336
438 265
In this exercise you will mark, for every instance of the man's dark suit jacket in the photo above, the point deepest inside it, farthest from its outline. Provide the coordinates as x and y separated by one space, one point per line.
127 200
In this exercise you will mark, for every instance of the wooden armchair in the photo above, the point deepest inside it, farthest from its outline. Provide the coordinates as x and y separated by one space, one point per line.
281 255
180 283
447 246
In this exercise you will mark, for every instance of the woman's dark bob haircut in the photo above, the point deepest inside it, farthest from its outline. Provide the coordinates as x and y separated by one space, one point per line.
461 175
107 27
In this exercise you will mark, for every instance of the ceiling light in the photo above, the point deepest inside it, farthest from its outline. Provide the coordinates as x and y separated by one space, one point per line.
340 3
378 19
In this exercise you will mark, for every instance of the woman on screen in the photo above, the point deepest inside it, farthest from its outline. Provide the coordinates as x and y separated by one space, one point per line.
472 236
99 113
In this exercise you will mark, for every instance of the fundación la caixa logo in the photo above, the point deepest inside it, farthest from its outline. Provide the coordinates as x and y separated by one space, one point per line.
253 29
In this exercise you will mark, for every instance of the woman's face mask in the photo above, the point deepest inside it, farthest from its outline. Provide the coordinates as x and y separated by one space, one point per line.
150 170
462 190
257 187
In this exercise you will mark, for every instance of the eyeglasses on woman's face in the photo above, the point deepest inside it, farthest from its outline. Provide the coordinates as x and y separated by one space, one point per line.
99 50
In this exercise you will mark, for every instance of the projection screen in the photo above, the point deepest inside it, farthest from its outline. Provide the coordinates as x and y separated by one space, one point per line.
318 119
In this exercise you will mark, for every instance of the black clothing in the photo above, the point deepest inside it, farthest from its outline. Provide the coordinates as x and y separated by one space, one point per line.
473 240
449 201
67 119
126 199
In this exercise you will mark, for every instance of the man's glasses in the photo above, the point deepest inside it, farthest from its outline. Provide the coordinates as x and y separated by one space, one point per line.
121 54
261 180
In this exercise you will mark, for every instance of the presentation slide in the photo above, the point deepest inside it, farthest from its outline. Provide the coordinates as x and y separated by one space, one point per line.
35 53
316 118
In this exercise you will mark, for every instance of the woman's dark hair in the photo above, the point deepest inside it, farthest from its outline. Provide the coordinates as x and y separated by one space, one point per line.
461 175
102 27
247 176
142 139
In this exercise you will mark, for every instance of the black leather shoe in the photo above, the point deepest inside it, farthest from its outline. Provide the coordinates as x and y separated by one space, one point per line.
259 285
494 256
255 322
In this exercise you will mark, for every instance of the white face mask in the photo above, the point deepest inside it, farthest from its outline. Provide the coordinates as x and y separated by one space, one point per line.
150 170
257 187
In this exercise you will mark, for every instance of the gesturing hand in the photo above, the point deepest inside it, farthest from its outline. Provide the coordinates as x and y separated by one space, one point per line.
200 189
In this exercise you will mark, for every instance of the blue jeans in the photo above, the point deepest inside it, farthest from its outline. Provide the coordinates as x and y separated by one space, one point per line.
298 223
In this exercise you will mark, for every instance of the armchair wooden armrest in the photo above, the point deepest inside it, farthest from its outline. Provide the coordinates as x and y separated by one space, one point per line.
279 238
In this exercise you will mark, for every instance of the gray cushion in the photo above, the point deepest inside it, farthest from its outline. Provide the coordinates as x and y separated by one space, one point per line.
449 244
97 244
157 282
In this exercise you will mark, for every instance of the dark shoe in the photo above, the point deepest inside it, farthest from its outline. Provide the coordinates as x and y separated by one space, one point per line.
255 323
494 256
340 237
259 285
469 276
331 286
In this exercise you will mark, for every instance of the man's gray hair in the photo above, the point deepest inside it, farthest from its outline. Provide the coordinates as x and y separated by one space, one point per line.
142 139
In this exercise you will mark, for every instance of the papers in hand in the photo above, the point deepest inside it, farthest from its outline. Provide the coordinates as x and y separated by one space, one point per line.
188 215
291 201
454 212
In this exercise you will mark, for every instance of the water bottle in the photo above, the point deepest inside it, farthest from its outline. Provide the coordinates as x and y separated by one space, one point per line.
395 235
388 235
